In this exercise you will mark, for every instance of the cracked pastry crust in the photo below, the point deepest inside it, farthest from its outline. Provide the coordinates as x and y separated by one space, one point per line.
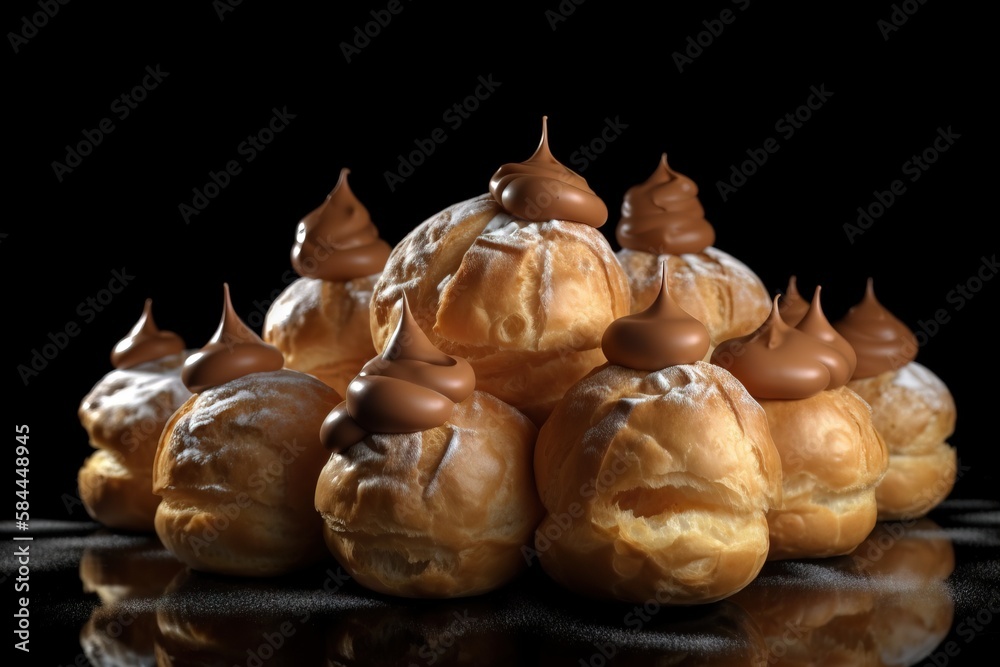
236 467
656 485
439 513
525 303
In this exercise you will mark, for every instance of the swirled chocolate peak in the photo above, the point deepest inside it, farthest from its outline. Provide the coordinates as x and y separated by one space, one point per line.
234 351
662 335
412 386
145 342
337 241
792 306
842 359
882 341
664 216
541 189
776 360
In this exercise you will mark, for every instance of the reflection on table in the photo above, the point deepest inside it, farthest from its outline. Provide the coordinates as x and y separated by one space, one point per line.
887 604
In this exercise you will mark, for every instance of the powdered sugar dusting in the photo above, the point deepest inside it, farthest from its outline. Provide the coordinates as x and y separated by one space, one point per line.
919 379
133 396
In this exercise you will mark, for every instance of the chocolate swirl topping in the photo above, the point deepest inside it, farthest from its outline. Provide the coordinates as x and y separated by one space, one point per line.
881 340
662 335
541 189
234 351
664 216
842 359
792 306
412 386
776 360
145 342
337 241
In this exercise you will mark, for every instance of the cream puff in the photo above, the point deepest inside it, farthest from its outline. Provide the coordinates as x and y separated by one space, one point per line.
662 220
321 321
657 470
912 408
832 456
428 491
519 281
123 415
237 464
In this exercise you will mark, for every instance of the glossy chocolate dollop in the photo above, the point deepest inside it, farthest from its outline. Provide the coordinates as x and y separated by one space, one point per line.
662 335
234 351
664 216
880 339
776 360
412 386
541 189
337 241
145 342
842 359
791 305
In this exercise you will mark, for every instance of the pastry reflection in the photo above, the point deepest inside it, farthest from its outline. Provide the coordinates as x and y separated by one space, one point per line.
127 573
909 563
447 633
207 619
884 604
719 634
812 613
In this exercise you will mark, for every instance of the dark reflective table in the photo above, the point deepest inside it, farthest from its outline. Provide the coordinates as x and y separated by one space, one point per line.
923 592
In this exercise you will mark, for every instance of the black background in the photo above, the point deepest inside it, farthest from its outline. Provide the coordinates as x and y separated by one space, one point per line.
889 94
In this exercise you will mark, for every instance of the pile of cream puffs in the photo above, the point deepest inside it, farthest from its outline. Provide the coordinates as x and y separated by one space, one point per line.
503 388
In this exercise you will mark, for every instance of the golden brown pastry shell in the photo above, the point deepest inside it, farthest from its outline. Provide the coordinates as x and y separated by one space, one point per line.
525 303
915 412
323 328
656 485
115 495
439 513
236 469
832 458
